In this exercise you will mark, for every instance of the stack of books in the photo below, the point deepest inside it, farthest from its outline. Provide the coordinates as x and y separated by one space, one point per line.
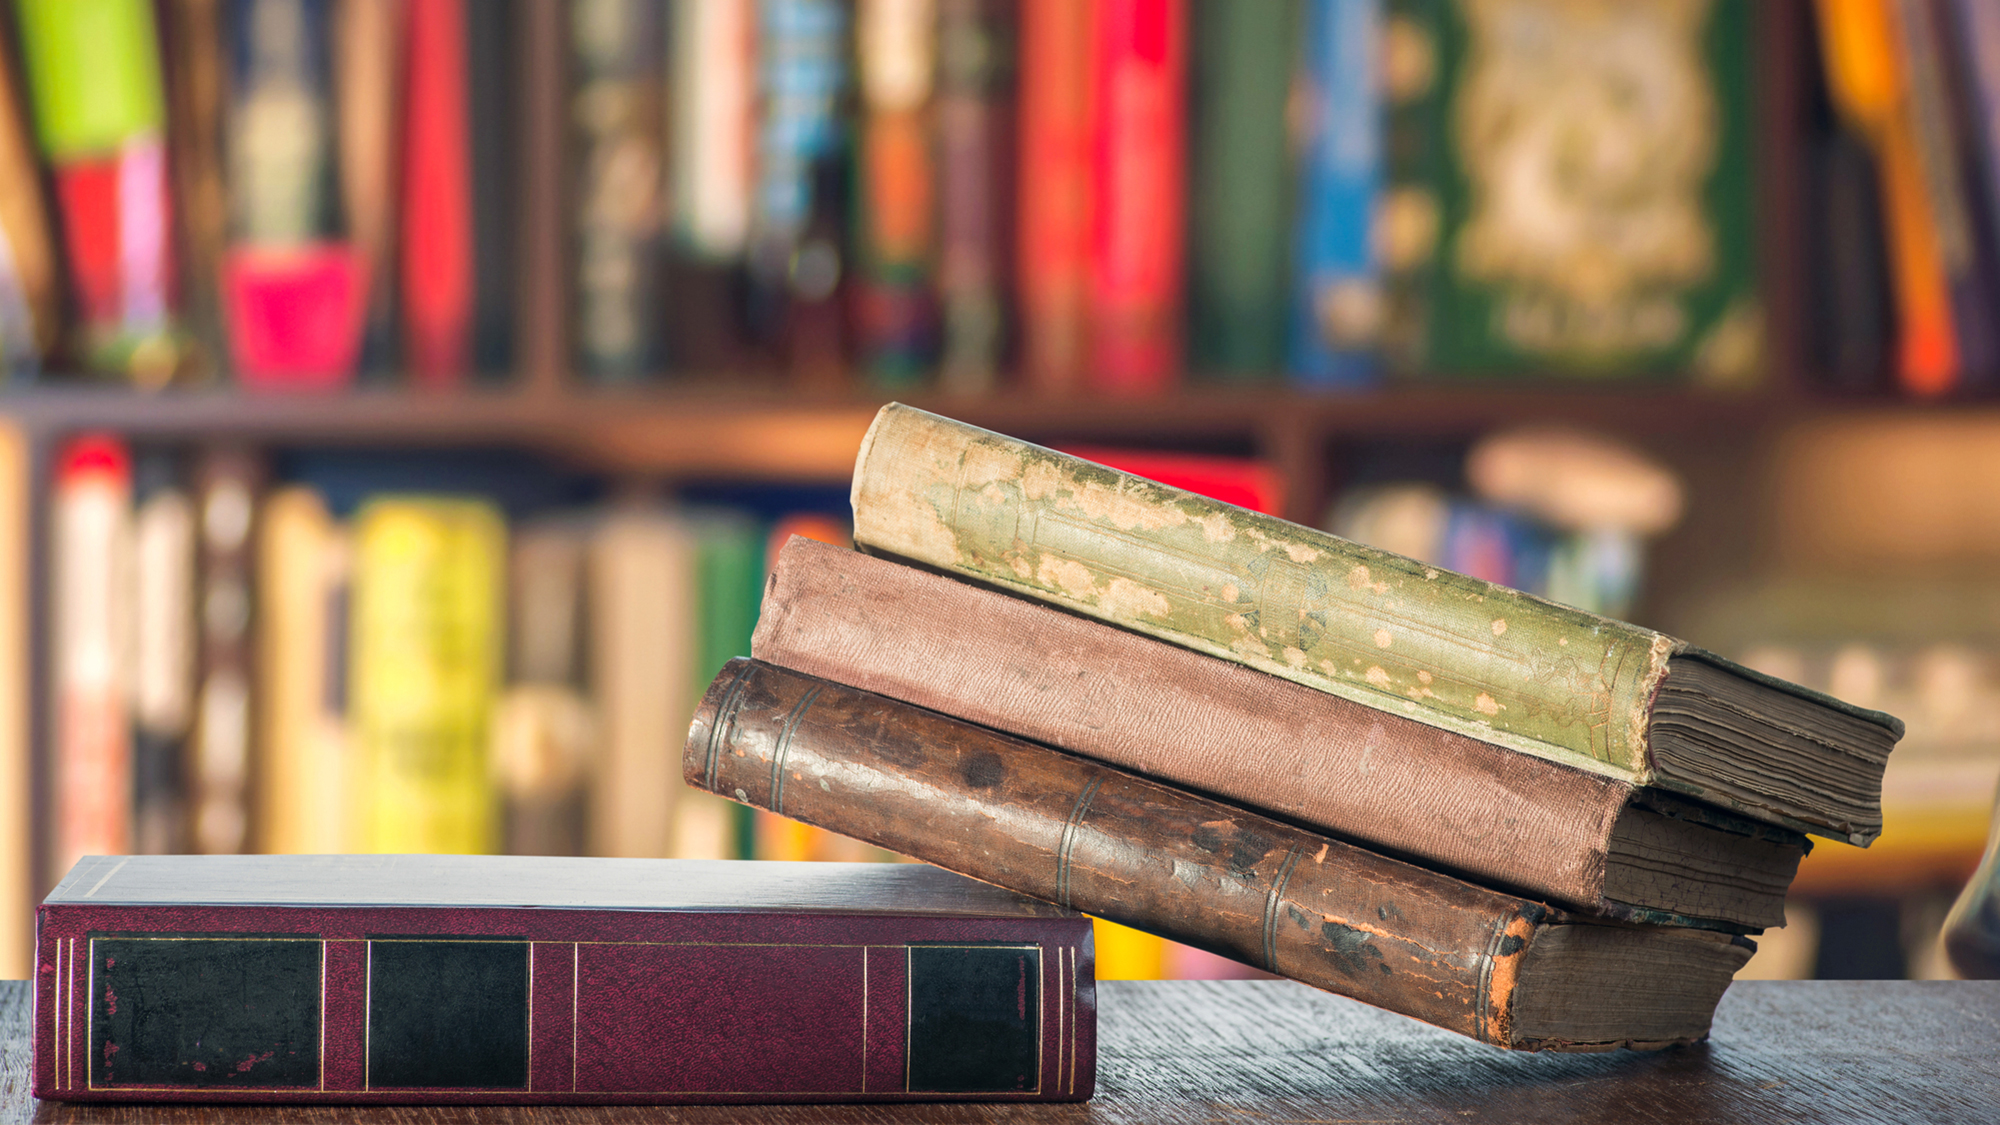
1528 824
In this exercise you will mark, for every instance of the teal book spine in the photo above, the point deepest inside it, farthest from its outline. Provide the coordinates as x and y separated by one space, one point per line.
1337 299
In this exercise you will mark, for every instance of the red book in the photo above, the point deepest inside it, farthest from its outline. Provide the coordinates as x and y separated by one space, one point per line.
1139 52
437 194
542 980
1054 191
90 532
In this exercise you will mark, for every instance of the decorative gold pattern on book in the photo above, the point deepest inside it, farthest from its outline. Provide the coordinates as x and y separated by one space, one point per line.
1383 630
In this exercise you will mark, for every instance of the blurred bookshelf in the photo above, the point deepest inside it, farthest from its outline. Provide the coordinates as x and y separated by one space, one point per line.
752 421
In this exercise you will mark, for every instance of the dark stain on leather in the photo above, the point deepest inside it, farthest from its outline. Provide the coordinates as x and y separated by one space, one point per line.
1349 949
984 770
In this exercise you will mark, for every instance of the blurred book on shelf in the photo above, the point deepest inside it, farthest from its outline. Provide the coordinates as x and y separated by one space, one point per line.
1112 195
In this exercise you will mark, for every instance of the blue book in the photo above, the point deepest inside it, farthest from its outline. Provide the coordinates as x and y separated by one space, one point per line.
1337 290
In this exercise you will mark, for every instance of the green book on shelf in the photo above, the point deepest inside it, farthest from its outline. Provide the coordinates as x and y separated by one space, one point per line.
1241 174
1571 188
1388 632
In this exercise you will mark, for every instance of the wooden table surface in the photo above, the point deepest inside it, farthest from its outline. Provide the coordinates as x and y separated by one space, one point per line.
1215 1053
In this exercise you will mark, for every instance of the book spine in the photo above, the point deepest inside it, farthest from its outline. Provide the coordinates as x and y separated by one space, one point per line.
1139 52
195 79
493 62
714 77
90 545
799 256
544 730
1389 632
424 653
1941 153
1969 35
1860 42
1062 680
367 64
94 75
29 297
1239 234
974 132
642 630
18 878
616 50
163 650
1086 836
296 298
895 47
1053 178
437 247
305 775
559 1006
217 768
1337 303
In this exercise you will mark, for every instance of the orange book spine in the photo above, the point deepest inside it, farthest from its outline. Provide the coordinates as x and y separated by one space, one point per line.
1139 74
1862 47
1054 190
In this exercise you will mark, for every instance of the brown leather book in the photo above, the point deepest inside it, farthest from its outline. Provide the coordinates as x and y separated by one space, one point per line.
1390 782
1501 969
1305 905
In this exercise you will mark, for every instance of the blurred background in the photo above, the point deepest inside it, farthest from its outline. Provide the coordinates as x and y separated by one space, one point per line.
403 397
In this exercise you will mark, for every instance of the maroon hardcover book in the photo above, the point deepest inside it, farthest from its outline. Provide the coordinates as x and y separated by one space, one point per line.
540 980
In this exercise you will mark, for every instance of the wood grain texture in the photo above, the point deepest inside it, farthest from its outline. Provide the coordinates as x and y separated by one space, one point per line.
1186 1052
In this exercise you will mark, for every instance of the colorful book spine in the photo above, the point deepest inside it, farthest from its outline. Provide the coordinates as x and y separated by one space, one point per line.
90 543
94 76
296 297
1139 54
731 574
1337 302
1240 222
1970 37
896 221
974 138
487 980
714 46
615 52
367 64
1054 178
713 170
28 287
305 783
1941 151
424 651
798 251
217 770
436 238
1867 77
163 649
196 76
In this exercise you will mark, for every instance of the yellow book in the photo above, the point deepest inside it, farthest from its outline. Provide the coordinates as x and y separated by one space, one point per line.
424 654
16 762
1124 953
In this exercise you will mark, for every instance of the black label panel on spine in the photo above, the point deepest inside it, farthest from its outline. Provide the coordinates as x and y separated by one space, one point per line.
447 1013
975 1014
195 1011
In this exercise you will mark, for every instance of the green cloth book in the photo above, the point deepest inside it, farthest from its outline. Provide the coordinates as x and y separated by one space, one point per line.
1240 213
1389 632
1571 188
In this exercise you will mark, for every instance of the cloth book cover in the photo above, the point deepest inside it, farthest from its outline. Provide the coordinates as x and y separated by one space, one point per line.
514 980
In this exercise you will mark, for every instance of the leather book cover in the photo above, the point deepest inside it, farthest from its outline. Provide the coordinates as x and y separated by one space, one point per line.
1189 868
534 980
1368 775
